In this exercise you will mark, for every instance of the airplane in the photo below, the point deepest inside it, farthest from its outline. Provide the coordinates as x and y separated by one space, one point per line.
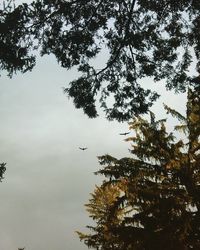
126 133
82 148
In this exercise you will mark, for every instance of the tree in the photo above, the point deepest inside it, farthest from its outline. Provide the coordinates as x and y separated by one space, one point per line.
142 39
2 170
151 201
14 53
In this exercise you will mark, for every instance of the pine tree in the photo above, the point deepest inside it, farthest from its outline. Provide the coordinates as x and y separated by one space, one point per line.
152 200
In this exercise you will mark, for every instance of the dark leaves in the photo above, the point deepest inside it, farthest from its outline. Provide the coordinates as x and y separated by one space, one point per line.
82 93
2 170
142 38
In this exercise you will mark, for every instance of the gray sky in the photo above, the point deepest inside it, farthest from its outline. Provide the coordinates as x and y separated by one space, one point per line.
48 179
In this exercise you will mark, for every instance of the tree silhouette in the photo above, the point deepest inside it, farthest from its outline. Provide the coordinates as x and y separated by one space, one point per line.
2 170
141 38
151 201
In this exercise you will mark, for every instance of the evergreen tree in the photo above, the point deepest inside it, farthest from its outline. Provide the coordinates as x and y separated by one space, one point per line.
143 38
151 201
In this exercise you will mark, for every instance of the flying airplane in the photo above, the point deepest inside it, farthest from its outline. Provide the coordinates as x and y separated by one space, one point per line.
82 148
126 133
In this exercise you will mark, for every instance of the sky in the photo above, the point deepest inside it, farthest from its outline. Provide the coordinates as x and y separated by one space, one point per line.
48 179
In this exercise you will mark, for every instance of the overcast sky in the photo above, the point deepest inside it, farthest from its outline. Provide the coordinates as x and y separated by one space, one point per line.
48 179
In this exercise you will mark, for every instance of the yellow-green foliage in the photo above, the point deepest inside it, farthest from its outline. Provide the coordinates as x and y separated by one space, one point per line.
152 200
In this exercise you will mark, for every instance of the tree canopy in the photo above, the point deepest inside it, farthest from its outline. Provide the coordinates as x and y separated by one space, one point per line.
152 200
137 38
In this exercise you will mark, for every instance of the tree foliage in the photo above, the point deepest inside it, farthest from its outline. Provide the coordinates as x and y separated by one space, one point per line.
142 39
2 170
152 200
